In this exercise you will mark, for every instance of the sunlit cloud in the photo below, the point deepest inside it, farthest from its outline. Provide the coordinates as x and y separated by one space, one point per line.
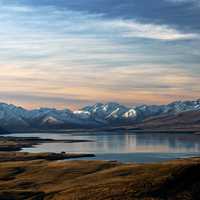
150 31
73 58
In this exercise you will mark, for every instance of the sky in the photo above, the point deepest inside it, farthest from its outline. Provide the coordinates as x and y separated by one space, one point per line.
69 54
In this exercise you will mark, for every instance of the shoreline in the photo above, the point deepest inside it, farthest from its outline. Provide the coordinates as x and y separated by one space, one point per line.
10 148
41 176
13 143
111 130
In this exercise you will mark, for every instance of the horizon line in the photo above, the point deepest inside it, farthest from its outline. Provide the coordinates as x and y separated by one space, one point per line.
109 102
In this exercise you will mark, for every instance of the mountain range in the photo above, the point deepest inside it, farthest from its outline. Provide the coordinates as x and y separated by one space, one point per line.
99 115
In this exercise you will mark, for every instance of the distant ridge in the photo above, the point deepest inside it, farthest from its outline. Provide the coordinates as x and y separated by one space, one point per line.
189 120
94 116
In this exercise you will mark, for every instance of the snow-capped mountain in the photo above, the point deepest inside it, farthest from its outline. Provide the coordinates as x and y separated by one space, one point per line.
106 112
117 112
98 115
12 117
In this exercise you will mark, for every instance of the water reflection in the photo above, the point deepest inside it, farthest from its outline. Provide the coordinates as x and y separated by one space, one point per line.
108 143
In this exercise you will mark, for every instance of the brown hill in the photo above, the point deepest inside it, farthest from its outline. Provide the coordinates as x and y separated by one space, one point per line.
100 180
183 121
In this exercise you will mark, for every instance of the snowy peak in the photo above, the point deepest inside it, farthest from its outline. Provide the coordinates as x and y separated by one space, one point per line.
49 120
82 114
97 115
110 112
132 113
182 106
108 107
106 111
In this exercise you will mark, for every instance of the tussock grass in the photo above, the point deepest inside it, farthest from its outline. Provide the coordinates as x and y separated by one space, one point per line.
100 180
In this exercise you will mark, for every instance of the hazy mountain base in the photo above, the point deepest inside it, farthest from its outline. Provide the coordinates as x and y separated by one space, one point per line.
99 180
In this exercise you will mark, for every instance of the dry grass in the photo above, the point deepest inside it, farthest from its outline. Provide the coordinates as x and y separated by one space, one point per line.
99 180
25 176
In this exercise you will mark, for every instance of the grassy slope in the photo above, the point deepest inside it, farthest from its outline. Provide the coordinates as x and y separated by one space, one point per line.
183 121
99 180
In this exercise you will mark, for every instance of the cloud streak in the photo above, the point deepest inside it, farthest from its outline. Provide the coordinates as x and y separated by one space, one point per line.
64 54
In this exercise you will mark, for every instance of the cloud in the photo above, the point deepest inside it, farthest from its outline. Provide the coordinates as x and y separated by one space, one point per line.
193 2
60 54
150 31
31 100
183 1
74 22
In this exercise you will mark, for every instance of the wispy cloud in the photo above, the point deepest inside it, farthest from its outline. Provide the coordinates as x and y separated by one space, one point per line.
64 54
183 1
150 31
193 2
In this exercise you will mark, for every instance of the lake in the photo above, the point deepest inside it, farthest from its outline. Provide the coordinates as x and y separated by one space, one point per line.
123 146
